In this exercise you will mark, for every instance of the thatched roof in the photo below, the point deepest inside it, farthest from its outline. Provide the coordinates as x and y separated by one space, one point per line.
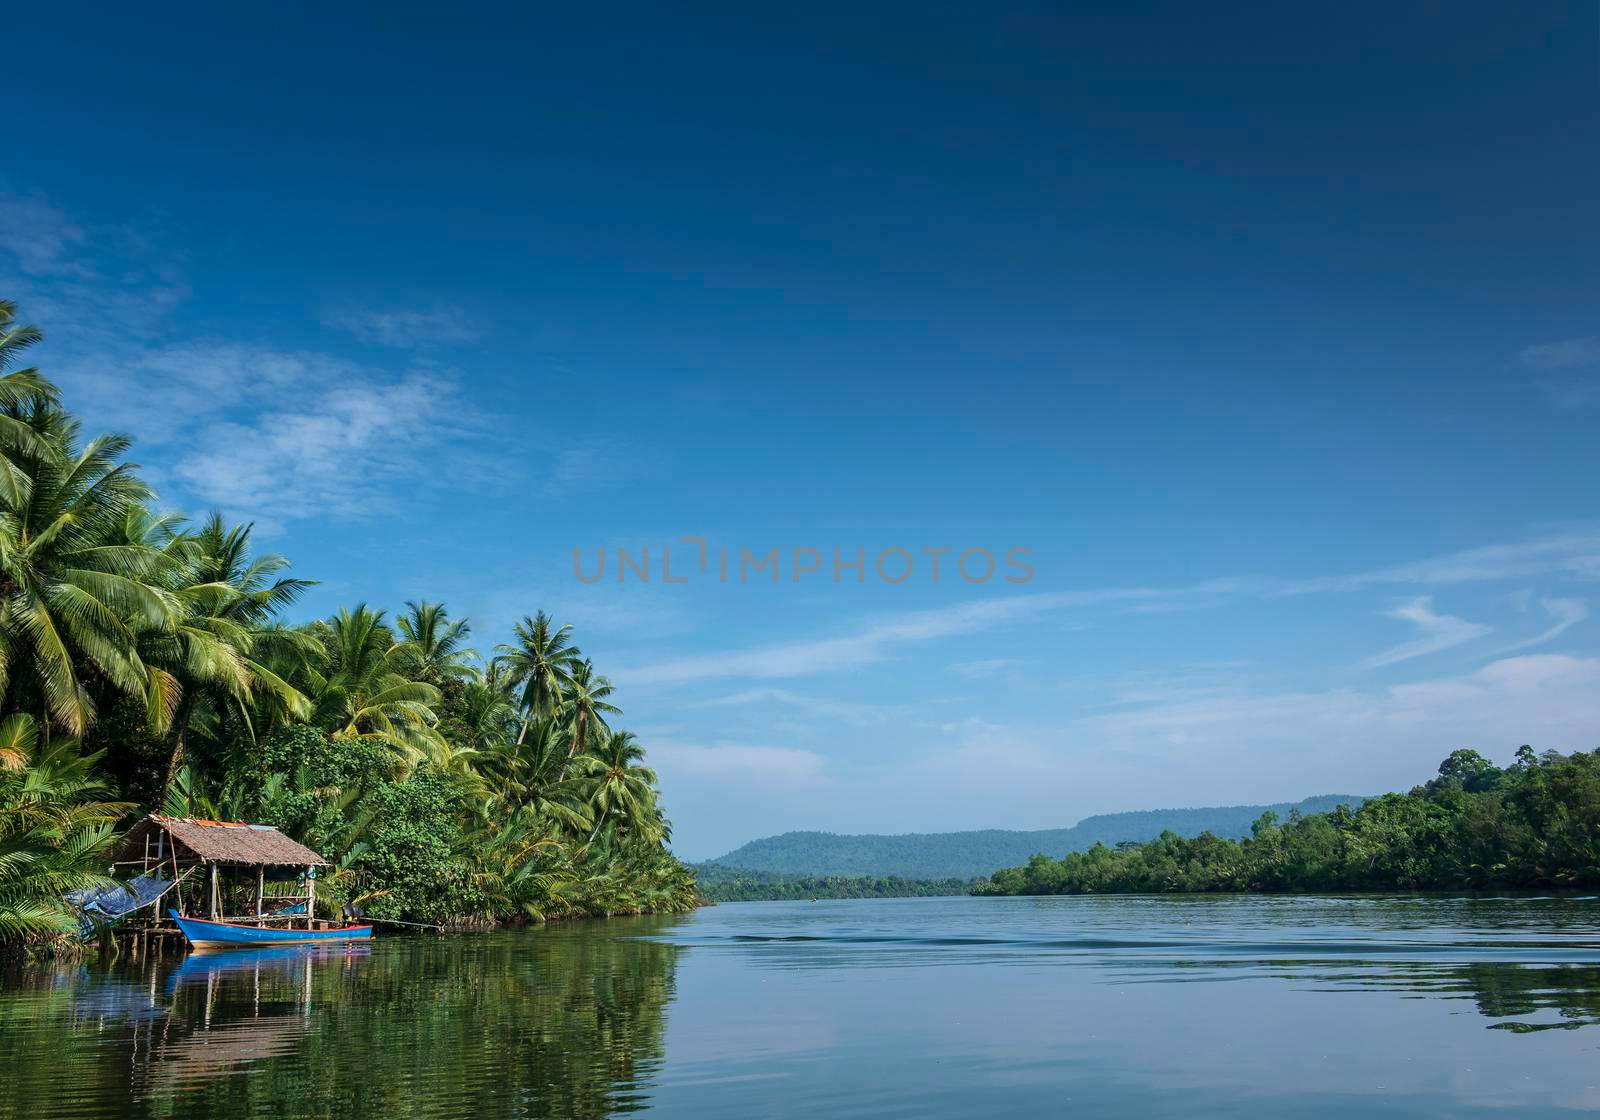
221 842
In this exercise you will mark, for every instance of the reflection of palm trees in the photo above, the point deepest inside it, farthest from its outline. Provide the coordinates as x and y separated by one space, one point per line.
1502 991
1560 996
566 1021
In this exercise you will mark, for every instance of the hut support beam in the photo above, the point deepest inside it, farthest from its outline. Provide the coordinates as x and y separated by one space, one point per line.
311 897
261 888
216 895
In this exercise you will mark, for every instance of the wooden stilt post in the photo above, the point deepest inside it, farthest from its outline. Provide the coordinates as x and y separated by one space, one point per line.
216 901
311 897
261 888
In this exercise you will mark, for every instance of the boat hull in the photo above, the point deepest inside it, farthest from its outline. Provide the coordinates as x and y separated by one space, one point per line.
203 934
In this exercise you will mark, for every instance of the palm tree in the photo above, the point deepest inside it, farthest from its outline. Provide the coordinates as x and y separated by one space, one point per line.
437 641
484 715
539 775
223 598
584 700
540 662
623 786
20 391
73 590
364 692
54 832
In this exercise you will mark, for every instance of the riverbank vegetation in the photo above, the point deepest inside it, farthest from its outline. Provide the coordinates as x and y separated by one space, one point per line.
446 787
721 883
1533 825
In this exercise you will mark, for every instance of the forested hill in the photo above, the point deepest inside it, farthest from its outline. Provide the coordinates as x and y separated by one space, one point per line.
963 855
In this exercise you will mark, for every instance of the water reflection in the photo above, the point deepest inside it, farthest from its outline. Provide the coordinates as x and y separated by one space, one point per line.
548 1022
949 1007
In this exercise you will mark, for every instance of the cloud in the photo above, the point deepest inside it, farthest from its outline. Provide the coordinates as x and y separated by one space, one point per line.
1574 552
1567 390
39 236
414 328
1567 614
1566 354
869 644
1238 748
1438 632
259 431
985 667
327 455
736 764
841 711
163 393
1535 698
595 462
98 290
1572 395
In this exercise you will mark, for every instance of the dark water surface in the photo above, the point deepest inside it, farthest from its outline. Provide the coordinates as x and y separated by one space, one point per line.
1189 1006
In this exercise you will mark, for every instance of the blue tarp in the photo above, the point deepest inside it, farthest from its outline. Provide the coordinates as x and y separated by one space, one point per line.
107 904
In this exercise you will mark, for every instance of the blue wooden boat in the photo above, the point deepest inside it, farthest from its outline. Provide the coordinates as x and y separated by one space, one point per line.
204 934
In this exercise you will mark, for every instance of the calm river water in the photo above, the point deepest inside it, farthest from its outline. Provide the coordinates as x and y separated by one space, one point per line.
956 1007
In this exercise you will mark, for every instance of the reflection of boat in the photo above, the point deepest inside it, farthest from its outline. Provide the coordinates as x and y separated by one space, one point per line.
285 963
229 935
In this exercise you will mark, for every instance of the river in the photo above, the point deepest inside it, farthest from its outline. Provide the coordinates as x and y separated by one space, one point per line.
927 1008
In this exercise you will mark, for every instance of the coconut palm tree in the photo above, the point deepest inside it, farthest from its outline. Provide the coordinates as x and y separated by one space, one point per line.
540 662
362 691
624 788
21 390
484 714
73 589
583 702
539 775
437 641
55 829
224 598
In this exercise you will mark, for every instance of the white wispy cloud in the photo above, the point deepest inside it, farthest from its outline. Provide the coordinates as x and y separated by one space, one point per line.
1567 384
208 413
1572 553
98 289
1545 698
596 461
1437 632
1573 394
1567 613
415 328
1242 747
736 764
1565 354
39 236
869 644
330 454
985 667
816 707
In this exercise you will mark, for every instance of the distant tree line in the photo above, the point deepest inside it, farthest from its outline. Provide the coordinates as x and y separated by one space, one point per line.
970 854
720 883
1533 825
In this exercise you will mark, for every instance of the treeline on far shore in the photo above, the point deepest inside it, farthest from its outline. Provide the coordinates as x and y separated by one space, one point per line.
721 883
1532 825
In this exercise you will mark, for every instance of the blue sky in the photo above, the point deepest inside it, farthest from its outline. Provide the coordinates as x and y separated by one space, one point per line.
1274 337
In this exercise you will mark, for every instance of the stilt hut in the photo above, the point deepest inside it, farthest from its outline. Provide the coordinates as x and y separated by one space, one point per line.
225 852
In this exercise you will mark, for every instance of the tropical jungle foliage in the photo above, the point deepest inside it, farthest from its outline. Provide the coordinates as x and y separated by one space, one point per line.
446 788
1534 824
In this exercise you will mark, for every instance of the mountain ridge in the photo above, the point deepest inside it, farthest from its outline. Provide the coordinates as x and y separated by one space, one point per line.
973 852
